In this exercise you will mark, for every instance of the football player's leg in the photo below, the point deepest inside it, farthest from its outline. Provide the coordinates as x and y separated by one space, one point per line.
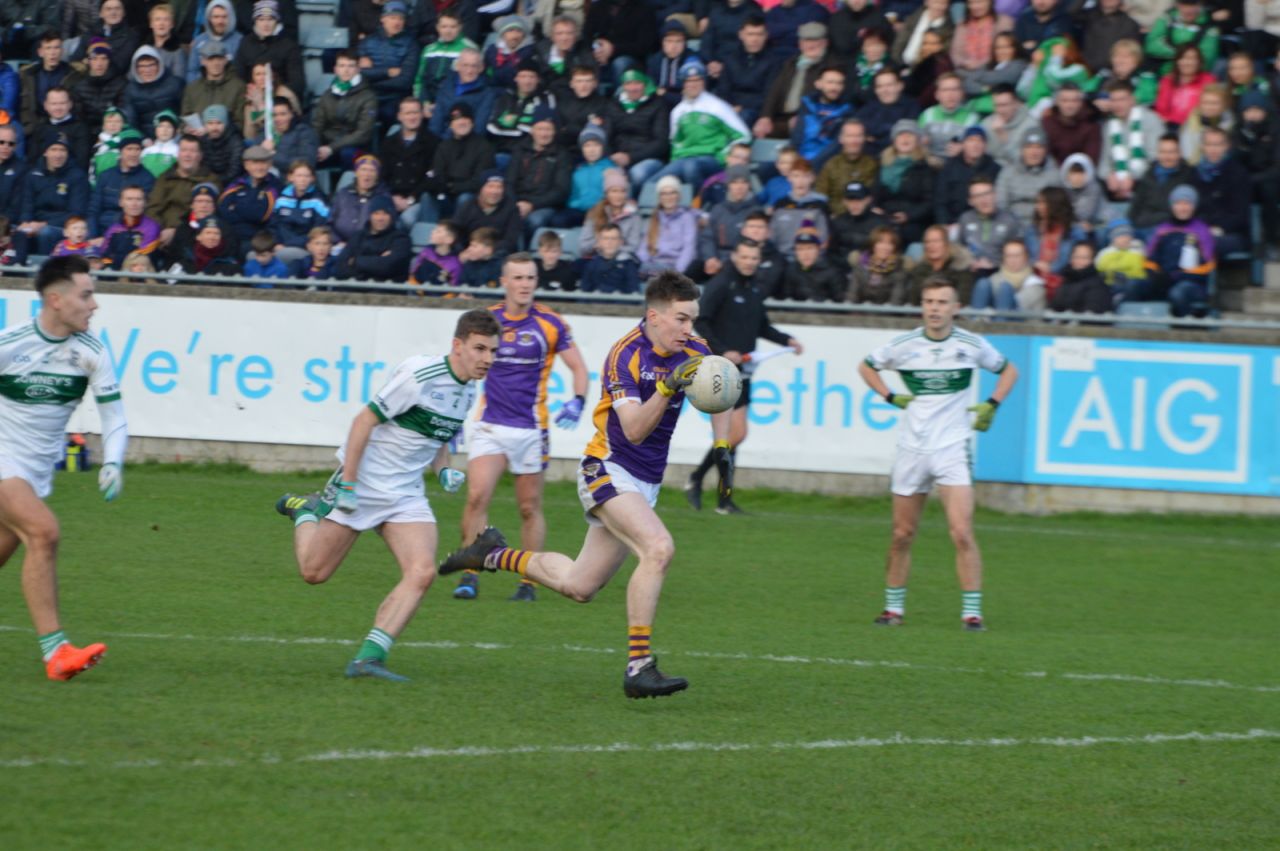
906 519
958 502
630 519
27 517
483 475
321 547
9 543
414 548
580 578
533 526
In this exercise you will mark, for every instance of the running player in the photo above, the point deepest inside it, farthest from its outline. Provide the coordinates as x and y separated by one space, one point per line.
643 389
392 441
937 362
512 429
45 367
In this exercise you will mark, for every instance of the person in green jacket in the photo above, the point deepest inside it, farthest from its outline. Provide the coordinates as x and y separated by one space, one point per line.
1186 23
1056 61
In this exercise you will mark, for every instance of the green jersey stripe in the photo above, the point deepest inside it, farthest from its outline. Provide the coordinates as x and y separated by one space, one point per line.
936 382
14 336
90 341
43 388
430 424
110 397
377 412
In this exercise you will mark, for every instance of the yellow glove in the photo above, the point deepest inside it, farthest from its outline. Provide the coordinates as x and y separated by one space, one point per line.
680 377
900 400
984 413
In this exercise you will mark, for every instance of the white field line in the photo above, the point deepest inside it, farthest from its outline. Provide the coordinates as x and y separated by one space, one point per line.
862 742
702 654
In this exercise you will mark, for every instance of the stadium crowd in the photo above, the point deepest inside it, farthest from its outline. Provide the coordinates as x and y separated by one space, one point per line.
1069 155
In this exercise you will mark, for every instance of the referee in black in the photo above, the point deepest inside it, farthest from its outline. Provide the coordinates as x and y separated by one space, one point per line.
731 318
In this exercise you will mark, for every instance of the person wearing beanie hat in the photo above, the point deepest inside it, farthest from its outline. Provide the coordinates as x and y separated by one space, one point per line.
380 251
666 66
389 59
98 89
671 239
1018 185
514 111
271 41
211 251
952 196
512 47
540 174
56 188
702 129
1123 259
1256 143
111 27
587 182
221 145
104 199
1181 256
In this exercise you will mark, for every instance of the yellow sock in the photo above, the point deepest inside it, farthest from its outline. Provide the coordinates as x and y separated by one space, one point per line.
638 642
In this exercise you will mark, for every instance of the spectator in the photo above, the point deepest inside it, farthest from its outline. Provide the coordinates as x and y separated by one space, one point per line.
671 238
217 83
611 269
1019 184
494 209
974 40
161 36
263 262
170 199
1014 286
1101 26
1054 64
809 276
248 201
1071 125
55 189
13 175
1261 31
1081 182
98 90
253 126
800 208
268 43
616 208
131 231
1224 187
1050 236
849 164
439 58
75 241
623 34
512 46
1082 289
745 70
822 114
220 27
379 251
985 228
403 155
1126 64
1180 258
587 180
162 153
638 128
785 20
1180 89
1256 141
350 208
221 144
1005 69
481 262
580 105
932 16
958 172
21 21
210 253
1214 110
106 153
878 274
870 61
425 20
905 191
300 208
1006 126
1185 24
702 128
1127 137
36 79
123 39
203 205
562 52
553 273
1040 21
943 124
59 123
319 262
104 200
794 79
852 231
721 25
755 231
151 89
438 264
777 187
457 169
388 59
1242 77
291 139
1121 261
663 67
719 235
921 79
513 110
850 24
540 174
466 84
941 258
714 188
345 116
884 113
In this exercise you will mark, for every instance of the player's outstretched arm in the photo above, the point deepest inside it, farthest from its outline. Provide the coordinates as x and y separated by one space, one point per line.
571 411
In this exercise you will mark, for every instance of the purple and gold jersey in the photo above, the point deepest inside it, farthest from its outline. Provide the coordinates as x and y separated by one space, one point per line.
631 374
515 390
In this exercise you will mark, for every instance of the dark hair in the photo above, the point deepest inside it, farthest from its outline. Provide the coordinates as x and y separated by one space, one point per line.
883 34
549 237
667 287
452 227
1059 210
1018 52
187 137
62 89
1116 85
48 36
758 215
584 69
262 241
478 321
982 178
517 257
60 270
752 21
937 282
1171 137
1003 89
882 232
403 100
611 226
748 243
1181 51
486 236
346 54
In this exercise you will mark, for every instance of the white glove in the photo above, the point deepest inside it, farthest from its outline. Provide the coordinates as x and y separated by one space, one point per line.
345 496
451 480
110 481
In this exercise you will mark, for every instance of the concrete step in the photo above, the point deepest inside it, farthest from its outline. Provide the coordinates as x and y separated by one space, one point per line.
1271 276
1260 300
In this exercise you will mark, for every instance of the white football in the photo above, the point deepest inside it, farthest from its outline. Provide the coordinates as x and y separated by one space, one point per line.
716 385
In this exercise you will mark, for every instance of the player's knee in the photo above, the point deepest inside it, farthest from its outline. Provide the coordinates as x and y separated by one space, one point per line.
660 551
962 538
43 536
314 572
530 509
581 595
421 577
903 536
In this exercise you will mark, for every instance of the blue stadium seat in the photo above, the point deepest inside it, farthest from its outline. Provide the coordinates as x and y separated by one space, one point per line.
766 150
324 38
569 240
348 178
648 199
420 235
1148 309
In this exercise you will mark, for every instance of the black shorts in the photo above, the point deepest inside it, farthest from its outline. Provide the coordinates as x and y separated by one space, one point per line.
745 398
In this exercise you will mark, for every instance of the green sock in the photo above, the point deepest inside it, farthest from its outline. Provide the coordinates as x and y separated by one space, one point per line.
895 600
377 644
51 642
971 604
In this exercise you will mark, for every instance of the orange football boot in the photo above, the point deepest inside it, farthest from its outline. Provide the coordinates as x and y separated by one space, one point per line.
69 660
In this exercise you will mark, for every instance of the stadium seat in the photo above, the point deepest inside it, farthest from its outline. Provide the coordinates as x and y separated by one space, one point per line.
1147 309
348 178
319 6
420 234
766 150
569 239
324 38
648 199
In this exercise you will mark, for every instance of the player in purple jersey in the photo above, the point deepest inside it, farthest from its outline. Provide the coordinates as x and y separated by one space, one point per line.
640 400
513 419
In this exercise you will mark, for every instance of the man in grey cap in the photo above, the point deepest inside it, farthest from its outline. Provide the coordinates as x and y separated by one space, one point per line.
248 201
795 79
217 83
1020 183
719 235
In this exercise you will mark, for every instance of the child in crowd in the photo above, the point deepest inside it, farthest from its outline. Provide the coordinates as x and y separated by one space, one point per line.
263 262
138 263
777 187
552 273
319 262
163 150
75 240
1123 260
106 153
588 178
481 267
438 263
610 270
1085 192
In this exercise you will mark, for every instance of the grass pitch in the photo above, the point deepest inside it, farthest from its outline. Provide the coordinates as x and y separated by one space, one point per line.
1127 695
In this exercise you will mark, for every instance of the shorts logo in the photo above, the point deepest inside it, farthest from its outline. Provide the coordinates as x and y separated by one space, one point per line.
591 469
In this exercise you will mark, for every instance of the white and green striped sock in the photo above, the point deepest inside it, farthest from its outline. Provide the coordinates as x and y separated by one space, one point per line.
377 644
895 600
50 643
971 605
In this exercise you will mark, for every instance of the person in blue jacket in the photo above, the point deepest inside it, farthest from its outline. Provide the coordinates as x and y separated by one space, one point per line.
55 189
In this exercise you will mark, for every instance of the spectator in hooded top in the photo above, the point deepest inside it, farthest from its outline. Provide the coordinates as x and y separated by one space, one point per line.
151 89
389 59
346 114
55 188
36 79
269 42
379 251
217 83
638 127
219 26
99 89
799 208
744 71
124 40
104 200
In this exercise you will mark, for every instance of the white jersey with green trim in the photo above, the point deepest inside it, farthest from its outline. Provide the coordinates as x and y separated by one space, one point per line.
939 374
42 380
419 409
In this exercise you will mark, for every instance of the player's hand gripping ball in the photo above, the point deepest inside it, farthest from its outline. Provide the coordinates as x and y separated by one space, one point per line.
716 385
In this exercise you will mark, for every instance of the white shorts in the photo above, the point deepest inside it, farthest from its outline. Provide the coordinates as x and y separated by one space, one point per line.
375 508
39 475
918 472
600 481
527 450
